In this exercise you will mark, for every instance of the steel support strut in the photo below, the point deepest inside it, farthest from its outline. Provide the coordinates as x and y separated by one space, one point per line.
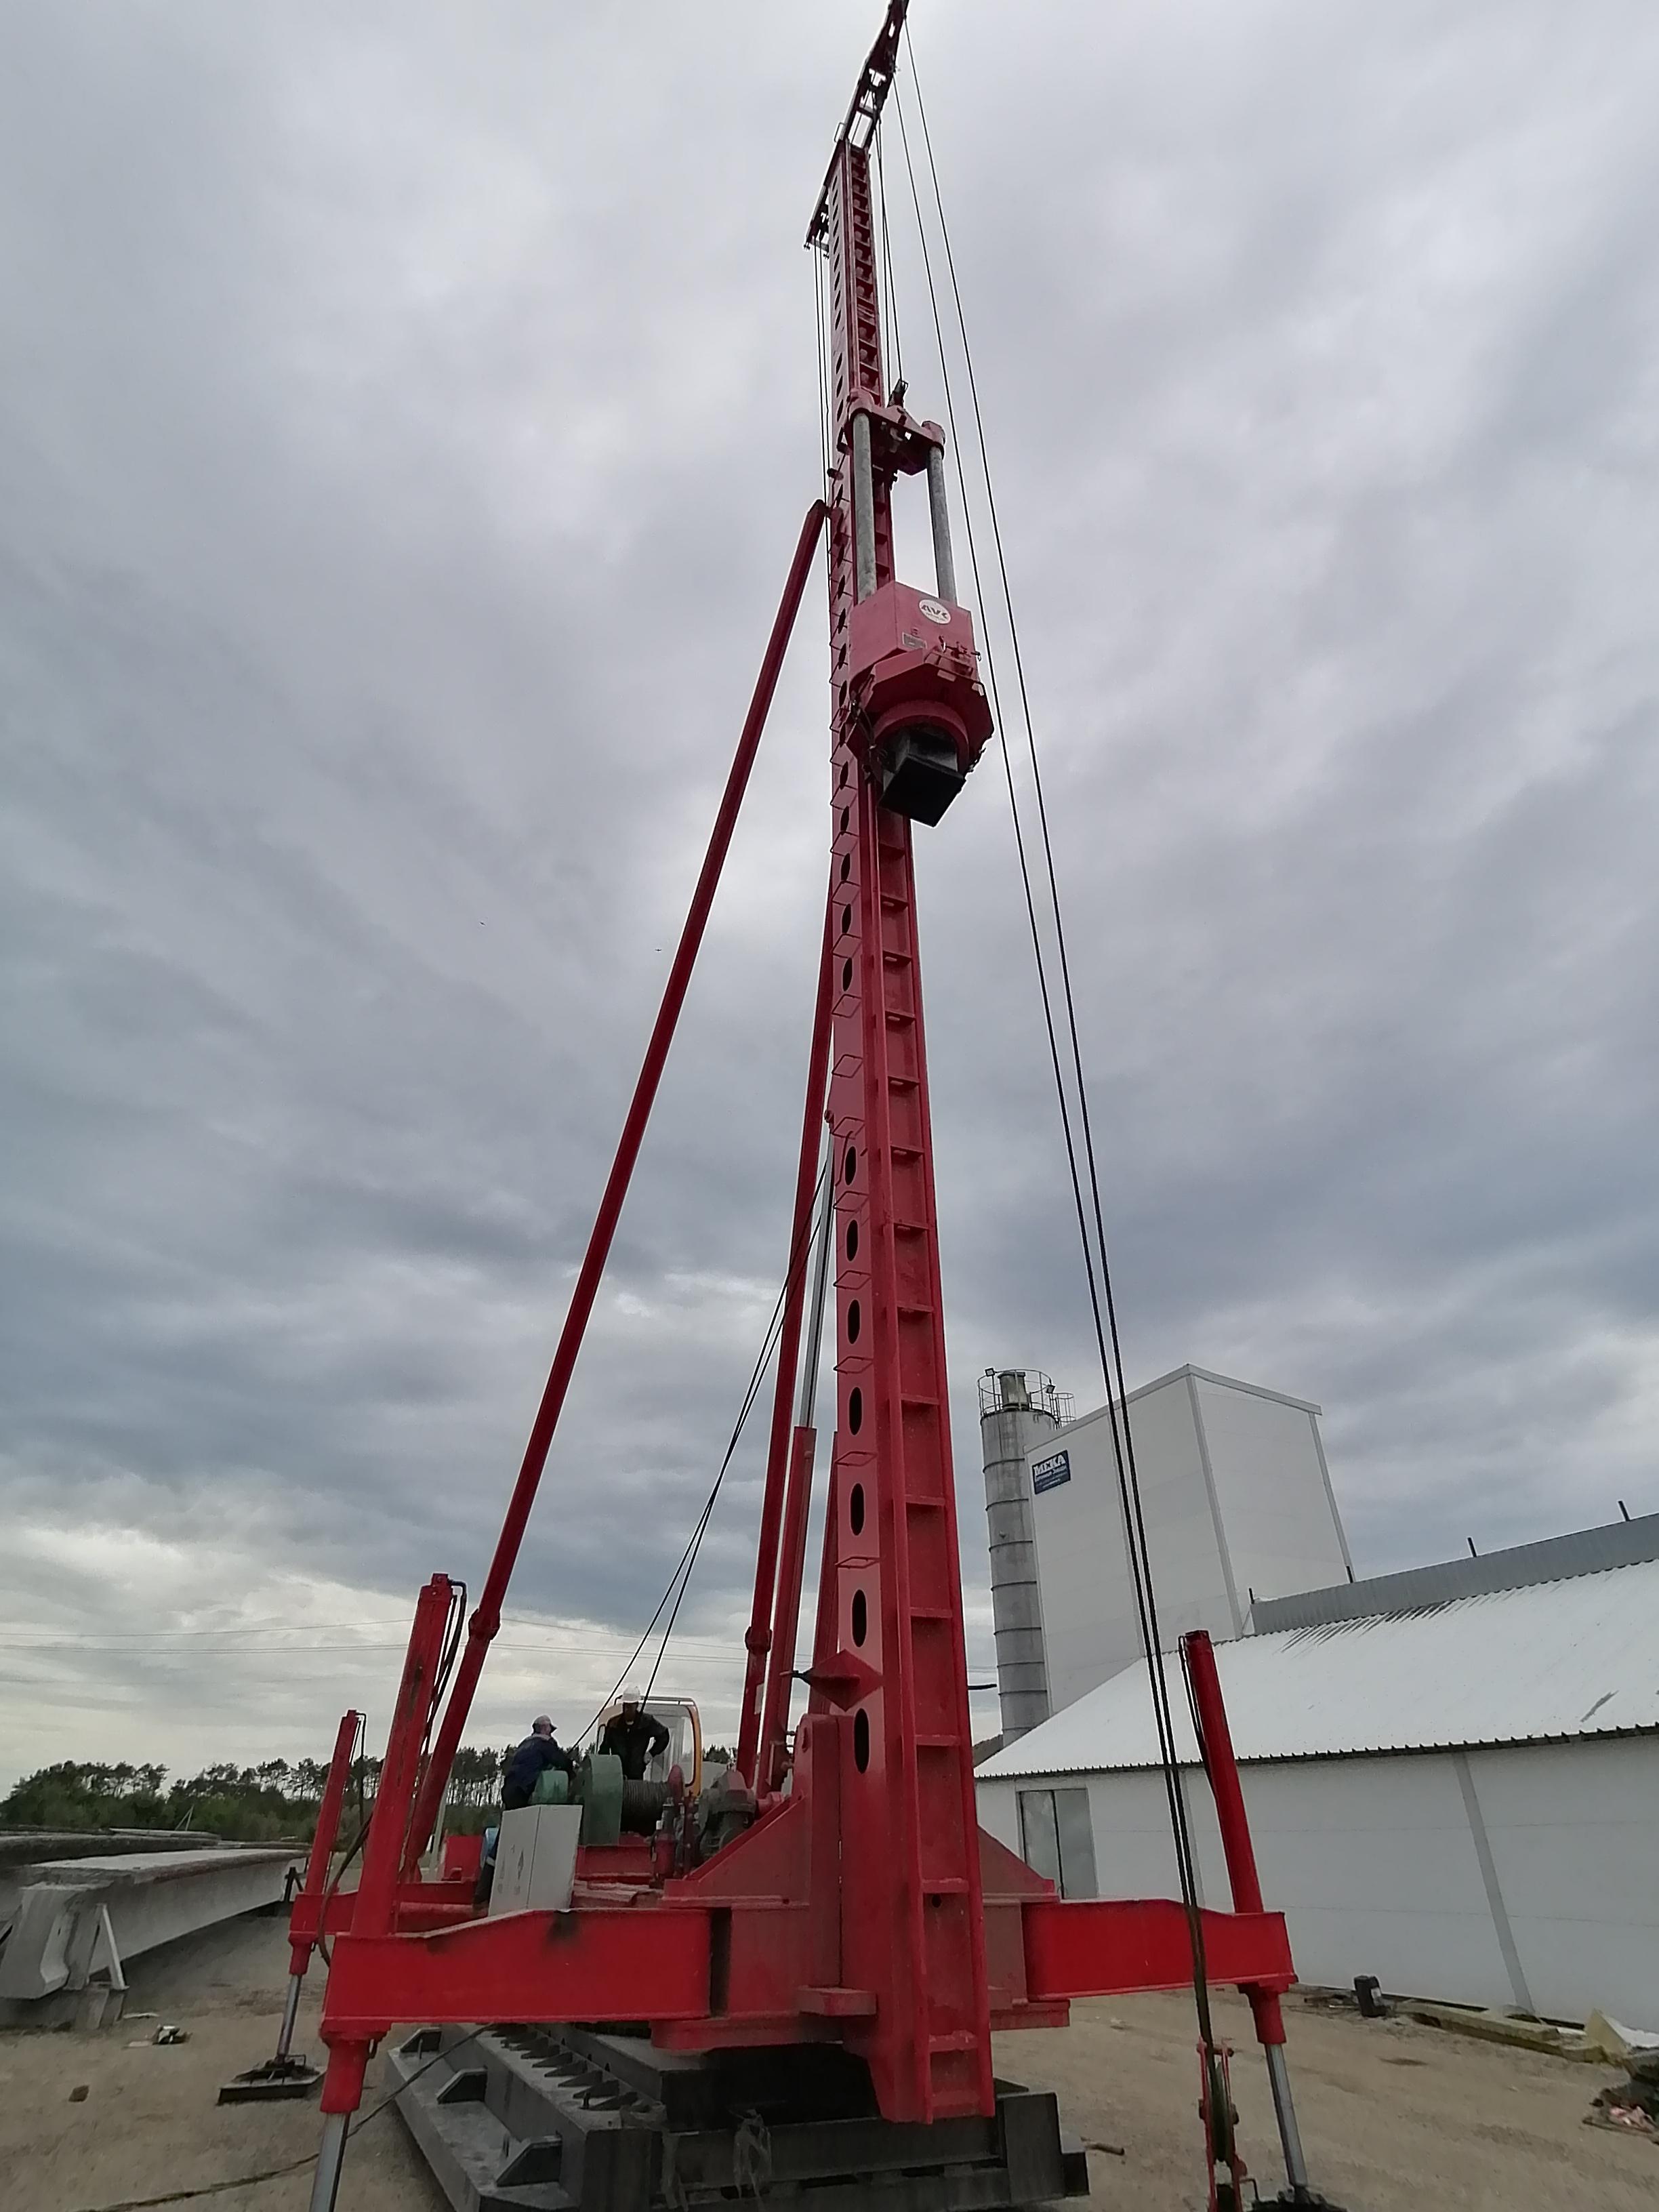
487 1618
758 1642
798 1499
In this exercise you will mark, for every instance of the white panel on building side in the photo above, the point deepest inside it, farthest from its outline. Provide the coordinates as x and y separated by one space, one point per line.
1234 1495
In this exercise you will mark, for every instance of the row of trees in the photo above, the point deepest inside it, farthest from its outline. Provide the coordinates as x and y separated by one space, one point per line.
254 1804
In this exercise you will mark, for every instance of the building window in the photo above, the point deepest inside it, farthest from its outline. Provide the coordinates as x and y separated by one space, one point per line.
1057 1839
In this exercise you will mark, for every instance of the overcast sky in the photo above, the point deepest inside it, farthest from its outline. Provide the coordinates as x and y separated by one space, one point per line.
406 413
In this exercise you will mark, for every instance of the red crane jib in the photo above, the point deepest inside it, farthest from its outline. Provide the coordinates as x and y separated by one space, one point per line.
864 1904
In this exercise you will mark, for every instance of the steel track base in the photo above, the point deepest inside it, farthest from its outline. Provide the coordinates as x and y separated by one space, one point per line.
576 2120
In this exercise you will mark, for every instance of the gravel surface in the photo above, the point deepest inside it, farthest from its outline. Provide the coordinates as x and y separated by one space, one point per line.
148 2121
1394 2116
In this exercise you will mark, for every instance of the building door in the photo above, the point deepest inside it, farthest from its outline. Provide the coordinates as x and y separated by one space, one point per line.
1057 1839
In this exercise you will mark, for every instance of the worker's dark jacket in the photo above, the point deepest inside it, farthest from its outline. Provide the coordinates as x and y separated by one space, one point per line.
526 1768
634 1742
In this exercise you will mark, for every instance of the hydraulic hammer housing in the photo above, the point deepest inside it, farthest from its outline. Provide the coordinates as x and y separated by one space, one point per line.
921 711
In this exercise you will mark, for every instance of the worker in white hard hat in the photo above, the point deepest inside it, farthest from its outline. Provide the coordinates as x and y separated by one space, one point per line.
633 1737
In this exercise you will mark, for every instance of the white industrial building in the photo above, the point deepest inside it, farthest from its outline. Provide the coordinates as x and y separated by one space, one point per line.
1238 1504
1452 1775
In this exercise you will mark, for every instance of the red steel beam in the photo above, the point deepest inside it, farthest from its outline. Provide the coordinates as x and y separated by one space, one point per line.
1111 1946
418 1908
653 1963
601 1963
487 1617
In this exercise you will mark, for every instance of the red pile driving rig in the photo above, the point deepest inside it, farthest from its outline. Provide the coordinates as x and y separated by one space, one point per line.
809 2006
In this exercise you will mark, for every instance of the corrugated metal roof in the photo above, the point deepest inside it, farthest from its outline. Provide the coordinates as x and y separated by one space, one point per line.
1585 1551
1555 1660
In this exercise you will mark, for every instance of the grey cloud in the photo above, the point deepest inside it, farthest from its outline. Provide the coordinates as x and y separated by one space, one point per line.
400 442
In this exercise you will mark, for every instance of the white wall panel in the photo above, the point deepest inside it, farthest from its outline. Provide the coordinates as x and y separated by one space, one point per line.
998 1812
1574 1833
1277 1519
1258 1510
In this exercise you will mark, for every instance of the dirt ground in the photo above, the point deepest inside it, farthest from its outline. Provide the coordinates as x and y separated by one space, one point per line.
148 2121
1395 2117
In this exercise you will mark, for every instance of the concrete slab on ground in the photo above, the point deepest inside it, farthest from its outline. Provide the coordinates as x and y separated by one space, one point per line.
78 1919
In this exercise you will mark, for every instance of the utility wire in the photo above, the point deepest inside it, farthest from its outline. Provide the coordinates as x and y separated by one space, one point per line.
1091 1224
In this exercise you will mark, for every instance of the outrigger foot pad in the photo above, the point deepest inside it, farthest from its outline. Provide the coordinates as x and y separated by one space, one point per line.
277 2077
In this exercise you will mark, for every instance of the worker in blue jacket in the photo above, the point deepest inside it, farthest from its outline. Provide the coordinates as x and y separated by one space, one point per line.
526 1766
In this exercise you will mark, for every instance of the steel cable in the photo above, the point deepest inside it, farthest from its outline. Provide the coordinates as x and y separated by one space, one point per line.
679 1580
1089 1219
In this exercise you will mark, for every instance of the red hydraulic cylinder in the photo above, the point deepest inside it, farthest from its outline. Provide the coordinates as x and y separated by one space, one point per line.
758 1642
1215 1745
374 1909
487 1617
306 1919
